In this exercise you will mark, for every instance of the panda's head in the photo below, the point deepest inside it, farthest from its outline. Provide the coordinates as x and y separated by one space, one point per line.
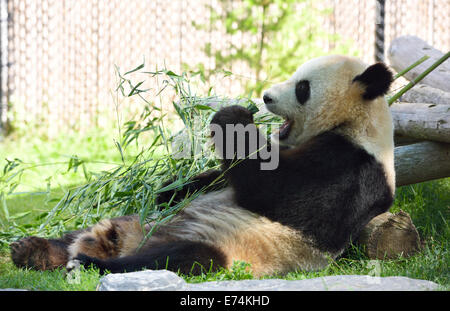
341 94
330 92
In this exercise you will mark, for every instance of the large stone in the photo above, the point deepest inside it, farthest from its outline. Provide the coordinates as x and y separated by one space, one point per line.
12 290
148 280
328 283
165 280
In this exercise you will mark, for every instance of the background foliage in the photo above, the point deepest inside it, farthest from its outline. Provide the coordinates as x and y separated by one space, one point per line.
282 34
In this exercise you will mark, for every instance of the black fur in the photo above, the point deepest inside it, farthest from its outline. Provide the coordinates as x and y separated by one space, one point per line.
302 91
210 180
234 115
328 188
377 79
184 256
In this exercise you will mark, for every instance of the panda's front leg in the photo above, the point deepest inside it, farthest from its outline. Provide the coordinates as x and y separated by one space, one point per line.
244 152
234 133
210 180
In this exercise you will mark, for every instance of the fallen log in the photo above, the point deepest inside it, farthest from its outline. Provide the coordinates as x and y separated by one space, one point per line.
406 50
421 162
422 121
388 236
426 94
402 140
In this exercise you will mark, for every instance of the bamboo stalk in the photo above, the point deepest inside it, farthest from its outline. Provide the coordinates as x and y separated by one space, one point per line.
418 78
414 65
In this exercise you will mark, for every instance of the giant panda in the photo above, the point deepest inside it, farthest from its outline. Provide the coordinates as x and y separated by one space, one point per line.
335 173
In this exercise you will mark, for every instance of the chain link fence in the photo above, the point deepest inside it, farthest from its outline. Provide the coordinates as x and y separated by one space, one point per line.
58 56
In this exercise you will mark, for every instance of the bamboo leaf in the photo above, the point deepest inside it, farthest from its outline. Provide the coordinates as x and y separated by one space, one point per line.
135 89
119 147
4 206
203 107
20 215
135 69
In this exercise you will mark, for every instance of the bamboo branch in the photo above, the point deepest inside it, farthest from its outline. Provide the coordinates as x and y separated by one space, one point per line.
418 78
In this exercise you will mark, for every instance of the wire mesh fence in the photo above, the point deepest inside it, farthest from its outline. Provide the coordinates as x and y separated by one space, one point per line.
58 57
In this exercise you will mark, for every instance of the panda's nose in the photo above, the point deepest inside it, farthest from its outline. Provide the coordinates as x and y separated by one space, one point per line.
267 99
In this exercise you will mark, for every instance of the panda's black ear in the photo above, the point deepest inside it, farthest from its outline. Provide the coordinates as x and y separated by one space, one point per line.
377 79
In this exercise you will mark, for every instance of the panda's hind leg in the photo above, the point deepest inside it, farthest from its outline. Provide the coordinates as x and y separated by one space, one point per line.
179 256
109 238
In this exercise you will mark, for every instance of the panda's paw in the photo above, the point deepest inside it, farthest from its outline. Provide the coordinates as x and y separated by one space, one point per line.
85 261
31 252
232 115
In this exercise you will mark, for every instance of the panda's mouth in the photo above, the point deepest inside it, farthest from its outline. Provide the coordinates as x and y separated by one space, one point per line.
285 129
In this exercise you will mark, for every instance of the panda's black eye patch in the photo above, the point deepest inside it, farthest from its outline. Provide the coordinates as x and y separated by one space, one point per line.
302 91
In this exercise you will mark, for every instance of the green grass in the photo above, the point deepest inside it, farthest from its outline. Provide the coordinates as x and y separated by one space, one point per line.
11 277
95 147
42 187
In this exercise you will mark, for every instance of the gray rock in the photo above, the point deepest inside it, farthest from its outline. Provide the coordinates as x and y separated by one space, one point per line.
328 283
12 290
331 283
165 280
148 280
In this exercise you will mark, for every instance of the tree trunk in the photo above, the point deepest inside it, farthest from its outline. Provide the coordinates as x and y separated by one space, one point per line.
406 50
421 162
422 93
422 121
388 236
402 140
